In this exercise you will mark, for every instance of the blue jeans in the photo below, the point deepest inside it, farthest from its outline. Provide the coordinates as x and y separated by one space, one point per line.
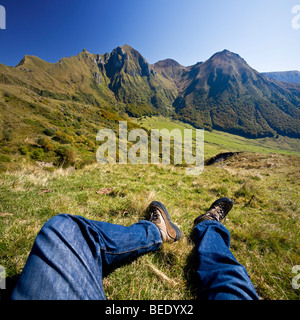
70 252
221 276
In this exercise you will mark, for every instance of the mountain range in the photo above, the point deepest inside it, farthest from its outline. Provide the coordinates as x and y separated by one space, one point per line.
286 76
222 93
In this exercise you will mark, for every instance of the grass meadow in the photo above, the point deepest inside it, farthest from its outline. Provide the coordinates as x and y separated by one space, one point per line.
264 222
263 182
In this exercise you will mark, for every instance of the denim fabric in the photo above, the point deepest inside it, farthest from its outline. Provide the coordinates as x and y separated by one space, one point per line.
67 259
69 253
221 276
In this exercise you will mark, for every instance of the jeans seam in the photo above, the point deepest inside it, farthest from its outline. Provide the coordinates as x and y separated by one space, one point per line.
144 247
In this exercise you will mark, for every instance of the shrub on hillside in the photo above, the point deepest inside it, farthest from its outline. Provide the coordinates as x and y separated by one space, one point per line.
45 143
23 150
38 154
49 132
66 156
63 137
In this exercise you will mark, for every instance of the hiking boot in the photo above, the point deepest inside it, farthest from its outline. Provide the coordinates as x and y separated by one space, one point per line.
159 216
217 211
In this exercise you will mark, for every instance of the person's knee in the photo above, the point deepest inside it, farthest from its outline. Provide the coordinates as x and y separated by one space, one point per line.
58 223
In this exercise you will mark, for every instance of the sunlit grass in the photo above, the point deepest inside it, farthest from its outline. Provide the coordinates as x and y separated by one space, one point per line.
264 223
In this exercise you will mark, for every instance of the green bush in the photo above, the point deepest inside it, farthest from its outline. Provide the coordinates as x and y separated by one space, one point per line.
7 134
45 143
66 156
38 154
63 137
23 150
78 133
49 132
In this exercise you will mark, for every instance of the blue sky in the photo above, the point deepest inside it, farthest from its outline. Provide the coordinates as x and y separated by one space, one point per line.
185 30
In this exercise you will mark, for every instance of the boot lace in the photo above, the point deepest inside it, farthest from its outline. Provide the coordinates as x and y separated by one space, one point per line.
216 214
154 215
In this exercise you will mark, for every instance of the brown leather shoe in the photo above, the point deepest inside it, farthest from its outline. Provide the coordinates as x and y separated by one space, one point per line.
217 211
158 215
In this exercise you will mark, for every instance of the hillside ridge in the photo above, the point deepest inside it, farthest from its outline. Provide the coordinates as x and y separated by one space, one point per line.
222 93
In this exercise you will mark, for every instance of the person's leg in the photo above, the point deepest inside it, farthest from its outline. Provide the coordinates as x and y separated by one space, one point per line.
69 253
221 276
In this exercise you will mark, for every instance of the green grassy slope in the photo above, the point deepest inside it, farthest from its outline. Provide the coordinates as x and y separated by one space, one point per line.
264 222
62 132
217 141
263 182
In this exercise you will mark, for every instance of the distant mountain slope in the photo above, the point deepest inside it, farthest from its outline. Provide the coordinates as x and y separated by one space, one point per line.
171 70
77 78
286 76
222 93
225 93
134 80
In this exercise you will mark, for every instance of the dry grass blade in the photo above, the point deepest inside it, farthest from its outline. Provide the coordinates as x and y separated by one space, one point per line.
161 275
4 214
104 191
44 191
